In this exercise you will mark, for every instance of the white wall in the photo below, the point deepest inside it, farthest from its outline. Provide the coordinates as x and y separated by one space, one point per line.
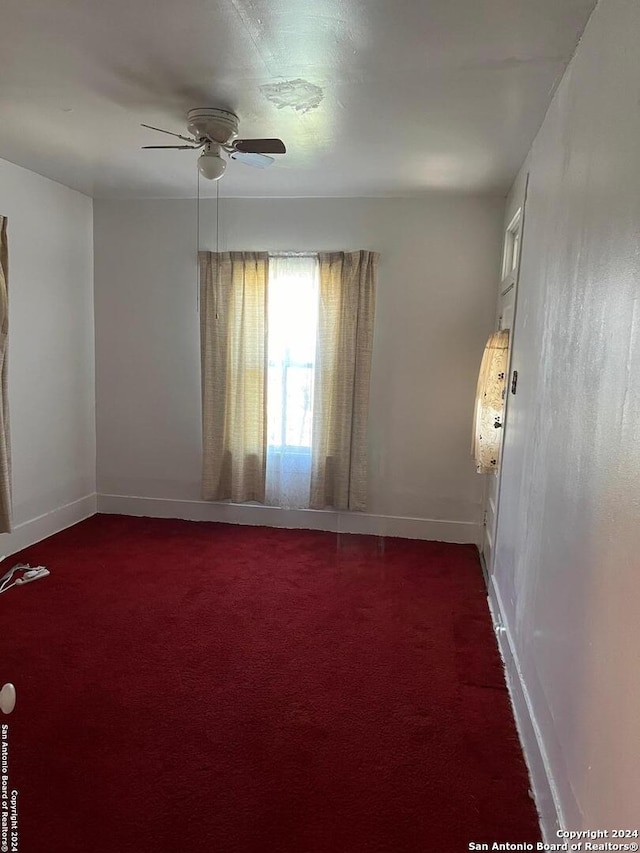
435 306
51 354
568 551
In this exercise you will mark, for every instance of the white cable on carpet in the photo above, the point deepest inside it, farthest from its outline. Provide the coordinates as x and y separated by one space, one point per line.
29 574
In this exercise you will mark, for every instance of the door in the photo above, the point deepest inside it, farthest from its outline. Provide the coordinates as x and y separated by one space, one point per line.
506 313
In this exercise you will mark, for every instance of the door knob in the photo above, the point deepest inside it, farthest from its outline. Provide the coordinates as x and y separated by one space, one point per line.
7 698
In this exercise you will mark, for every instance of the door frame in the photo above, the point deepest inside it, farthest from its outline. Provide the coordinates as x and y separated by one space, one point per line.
513 233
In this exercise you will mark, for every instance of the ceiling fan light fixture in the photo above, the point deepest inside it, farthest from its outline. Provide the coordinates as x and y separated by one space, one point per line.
216 130
211 165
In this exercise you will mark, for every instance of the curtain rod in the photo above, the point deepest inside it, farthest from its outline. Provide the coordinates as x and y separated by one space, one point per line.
293 254
284 254
279 254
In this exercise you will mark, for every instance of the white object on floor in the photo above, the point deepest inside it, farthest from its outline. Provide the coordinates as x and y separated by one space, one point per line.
7 698
33 575
30 573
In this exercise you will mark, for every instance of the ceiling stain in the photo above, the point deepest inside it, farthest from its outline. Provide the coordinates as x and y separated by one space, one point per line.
299 95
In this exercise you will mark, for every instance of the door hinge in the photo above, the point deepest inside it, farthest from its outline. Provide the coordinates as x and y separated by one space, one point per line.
484 519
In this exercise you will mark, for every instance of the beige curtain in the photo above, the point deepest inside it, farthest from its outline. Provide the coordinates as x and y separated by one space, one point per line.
489 409
233 333
5 458
341 384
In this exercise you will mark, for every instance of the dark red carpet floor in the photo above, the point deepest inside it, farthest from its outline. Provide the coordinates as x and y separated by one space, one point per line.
205 688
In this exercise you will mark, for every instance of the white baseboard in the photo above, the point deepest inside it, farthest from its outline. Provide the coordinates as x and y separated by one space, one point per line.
462 532
542 783
36 529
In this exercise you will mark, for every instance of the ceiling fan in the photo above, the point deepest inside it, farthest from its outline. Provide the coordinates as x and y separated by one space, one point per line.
215 131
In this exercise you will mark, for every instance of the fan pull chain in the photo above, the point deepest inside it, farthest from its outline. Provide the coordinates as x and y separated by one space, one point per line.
198 242
217 240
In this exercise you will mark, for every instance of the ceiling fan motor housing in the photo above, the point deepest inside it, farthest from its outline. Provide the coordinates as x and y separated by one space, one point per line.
209 123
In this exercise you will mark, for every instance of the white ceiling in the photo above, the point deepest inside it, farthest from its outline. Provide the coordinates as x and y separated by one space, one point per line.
416 94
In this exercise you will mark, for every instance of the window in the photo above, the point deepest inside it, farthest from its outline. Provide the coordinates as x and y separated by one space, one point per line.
292 298
511 254
286 347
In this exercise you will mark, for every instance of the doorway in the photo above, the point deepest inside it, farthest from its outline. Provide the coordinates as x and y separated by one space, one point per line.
505 320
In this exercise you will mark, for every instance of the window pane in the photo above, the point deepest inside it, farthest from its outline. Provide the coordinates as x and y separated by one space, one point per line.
299 401
274 405
293 315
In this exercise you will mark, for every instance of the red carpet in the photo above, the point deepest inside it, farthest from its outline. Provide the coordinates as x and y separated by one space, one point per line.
207 688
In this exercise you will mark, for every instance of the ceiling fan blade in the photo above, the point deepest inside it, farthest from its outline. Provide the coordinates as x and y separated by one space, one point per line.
178 135
260 161
190 147
260 146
